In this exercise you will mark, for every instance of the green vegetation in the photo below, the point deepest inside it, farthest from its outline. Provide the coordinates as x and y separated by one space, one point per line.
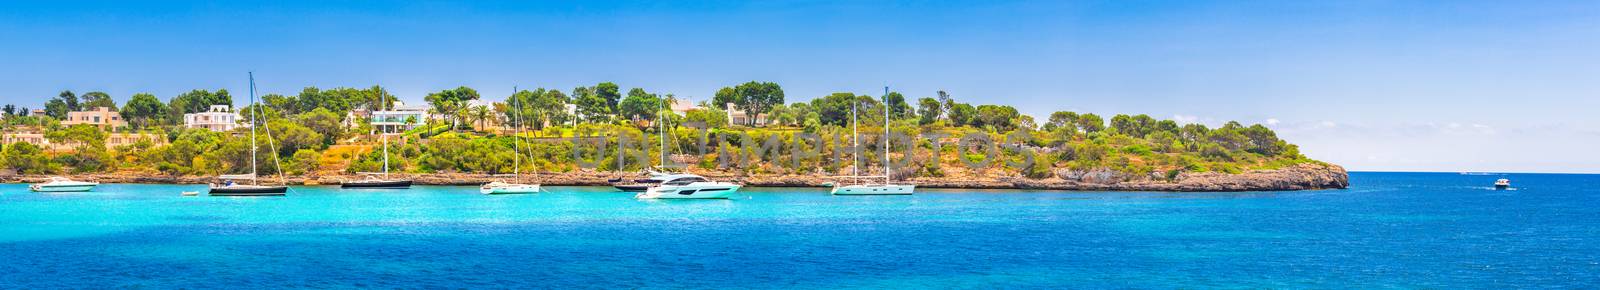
313 132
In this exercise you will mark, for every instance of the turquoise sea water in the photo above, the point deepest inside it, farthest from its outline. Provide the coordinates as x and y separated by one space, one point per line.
1389 230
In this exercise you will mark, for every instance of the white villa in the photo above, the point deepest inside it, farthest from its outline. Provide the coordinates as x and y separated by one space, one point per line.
737 116
219 118
400 119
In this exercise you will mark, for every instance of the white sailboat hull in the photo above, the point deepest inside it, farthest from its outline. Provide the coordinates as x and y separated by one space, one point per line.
874 189
508 188
75 187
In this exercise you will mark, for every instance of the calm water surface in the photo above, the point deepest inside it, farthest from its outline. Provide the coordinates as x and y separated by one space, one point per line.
1389 230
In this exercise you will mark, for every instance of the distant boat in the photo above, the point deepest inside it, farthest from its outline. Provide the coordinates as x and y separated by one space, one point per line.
62 184
379 180
640 185
1502 183
515 186
229 188
689 186
866 185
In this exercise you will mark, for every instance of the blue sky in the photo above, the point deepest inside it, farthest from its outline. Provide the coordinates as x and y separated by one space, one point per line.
1372 85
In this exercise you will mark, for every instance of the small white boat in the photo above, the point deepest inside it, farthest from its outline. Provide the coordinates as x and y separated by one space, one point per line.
498 187
690 186
1502 183
191 193
62 184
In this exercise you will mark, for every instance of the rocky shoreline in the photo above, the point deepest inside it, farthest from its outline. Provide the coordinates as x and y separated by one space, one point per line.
1298 177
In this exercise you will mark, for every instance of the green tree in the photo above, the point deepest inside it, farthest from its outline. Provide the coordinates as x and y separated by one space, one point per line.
609 92
27 158
290 137
452 102
834 109
548 108
755 98
88 141
590 105
143 110
640 105
1065 120
930 110
64 102
712 117
98 99
325 122
997 117
963 114
1091 123
900 110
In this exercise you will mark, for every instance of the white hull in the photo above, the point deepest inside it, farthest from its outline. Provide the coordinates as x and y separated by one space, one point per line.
62 188
698 190
507 188
874 189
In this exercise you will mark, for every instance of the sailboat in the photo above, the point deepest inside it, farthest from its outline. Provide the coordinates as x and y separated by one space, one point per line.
866 185
381 180
516 186
681 185
651 177
229 186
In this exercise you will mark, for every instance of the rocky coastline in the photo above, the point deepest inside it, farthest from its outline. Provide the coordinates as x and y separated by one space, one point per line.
1297 177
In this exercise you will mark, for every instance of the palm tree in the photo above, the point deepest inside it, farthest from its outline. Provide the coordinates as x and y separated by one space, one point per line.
475 116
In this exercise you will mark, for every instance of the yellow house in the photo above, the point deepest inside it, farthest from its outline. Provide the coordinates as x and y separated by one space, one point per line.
102 117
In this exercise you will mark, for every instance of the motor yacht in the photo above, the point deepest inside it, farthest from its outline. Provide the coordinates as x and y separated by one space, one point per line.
689 186
62 184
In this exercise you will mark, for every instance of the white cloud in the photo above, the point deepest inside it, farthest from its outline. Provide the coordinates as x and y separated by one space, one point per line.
1273 121
1185 119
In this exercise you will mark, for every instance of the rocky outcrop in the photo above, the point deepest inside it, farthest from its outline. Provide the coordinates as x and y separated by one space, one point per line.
1298 177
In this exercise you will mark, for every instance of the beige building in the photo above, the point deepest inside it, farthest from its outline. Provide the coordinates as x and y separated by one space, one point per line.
102 117
113 140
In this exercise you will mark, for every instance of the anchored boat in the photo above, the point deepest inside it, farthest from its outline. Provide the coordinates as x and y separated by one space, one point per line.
229 187
379 180
690 186
869 185
62 184
515 186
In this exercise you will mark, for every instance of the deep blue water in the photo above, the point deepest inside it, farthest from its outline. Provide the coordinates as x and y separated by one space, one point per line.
1389 230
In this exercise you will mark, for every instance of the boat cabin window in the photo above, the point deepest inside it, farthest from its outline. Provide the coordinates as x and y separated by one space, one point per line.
685 181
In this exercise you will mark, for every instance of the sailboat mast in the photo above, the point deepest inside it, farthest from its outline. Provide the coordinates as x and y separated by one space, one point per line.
662 134
886 133
253 122
516 134
855 140
385 137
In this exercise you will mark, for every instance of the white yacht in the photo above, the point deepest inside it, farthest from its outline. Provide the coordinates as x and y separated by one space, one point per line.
62 184
690 186
868 185
515 186
1502 183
